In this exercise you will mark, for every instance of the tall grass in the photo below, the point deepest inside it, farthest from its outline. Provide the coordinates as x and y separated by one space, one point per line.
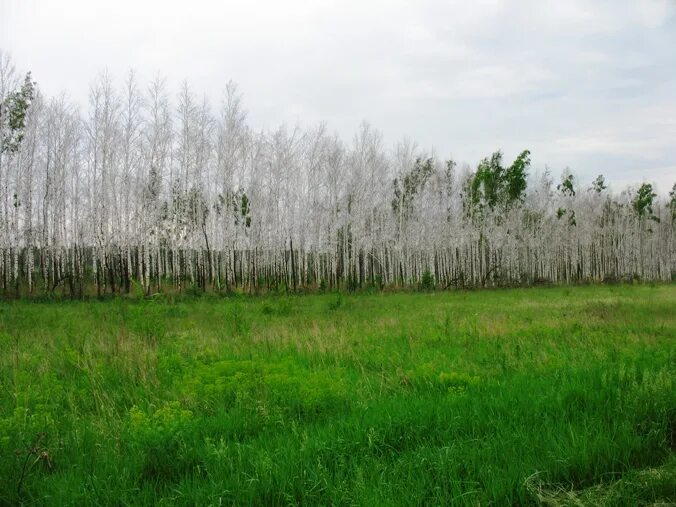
469 398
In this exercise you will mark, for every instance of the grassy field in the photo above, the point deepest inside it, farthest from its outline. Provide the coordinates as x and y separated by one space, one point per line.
557 395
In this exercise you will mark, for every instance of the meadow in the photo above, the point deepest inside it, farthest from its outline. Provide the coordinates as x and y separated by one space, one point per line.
557 396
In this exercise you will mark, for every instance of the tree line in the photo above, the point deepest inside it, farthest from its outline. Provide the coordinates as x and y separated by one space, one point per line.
142 193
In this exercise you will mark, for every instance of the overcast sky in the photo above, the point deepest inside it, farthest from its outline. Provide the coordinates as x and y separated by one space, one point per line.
589 85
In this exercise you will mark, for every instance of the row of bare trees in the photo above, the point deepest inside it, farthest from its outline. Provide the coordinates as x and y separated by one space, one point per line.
140 192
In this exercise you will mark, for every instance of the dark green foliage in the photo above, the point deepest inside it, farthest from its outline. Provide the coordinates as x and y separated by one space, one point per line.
245 210
427 282
515 178
194 290
571 215
644 200
410 186
571 218
241 208
566 186
494 185
13 113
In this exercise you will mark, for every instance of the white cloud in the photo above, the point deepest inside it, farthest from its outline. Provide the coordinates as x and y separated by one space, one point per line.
581 83
646 132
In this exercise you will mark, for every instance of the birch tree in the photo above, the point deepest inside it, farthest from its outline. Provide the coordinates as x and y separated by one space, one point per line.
138 190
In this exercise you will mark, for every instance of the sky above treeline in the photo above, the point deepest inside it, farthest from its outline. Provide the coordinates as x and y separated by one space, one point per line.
589 85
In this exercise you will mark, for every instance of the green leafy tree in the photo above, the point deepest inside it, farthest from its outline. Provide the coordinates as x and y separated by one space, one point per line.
488 180
644 200
13 112
515 178
495 185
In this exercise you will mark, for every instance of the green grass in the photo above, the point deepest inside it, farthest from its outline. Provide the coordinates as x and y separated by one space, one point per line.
563 396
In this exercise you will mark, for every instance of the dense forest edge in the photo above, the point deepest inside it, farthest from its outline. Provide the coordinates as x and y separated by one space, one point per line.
138 195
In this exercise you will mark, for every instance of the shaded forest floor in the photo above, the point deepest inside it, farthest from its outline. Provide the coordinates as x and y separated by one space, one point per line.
560 396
